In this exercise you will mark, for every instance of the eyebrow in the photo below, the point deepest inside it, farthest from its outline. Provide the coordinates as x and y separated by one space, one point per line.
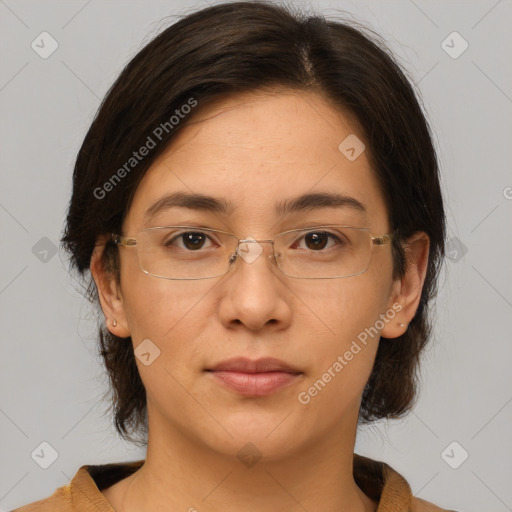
202 202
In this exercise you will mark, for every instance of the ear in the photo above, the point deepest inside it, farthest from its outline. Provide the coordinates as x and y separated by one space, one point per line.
109 292
406 292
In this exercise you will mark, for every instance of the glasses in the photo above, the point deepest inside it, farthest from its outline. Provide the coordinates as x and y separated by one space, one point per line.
189 252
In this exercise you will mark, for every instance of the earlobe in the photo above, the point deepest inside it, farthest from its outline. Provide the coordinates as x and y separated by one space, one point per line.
109 294
407 291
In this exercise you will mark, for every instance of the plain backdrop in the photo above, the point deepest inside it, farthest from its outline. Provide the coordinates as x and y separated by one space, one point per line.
52 380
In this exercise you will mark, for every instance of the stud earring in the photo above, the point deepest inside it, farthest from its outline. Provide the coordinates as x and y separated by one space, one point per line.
114 323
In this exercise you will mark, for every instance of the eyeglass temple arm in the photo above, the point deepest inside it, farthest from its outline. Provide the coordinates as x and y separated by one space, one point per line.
123 240
382 240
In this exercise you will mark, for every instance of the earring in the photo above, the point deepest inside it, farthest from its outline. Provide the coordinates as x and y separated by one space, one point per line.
114 323
401 325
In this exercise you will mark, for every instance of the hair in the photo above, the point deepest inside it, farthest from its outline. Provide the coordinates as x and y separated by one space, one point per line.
240 47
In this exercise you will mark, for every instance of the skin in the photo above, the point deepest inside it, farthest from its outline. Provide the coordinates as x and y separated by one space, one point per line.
240 149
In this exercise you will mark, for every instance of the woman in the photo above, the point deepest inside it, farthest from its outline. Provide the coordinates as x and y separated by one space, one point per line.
258 203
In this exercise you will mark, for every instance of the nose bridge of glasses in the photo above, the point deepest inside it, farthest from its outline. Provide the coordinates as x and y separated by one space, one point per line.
249 249
254 241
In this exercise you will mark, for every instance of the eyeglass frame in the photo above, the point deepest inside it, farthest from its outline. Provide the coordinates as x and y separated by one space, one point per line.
128 241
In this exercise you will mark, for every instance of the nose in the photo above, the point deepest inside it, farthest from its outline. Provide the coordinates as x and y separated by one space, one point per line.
253 292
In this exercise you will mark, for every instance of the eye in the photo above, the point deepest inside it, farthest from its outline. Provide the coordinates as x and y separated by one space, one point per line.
318 240
192 240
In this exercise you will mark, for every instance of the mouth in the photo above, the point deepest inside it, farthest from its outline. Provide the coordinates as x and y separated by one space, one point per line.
254 378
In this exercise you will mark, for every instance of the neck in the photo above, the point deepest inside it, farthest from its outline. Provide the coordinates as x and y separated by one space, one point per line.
180 473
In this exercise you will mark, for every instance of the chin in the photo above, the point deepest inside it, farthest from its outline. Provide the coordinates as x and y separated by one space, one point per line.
269 436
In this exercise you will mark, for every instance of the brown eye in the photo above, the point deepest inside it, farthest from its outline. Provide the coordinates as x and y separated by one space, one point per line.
318 240
191 240
194 240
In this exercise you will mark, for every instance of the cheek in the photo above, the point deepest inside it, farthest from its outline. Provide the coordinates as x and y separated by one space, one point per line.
170 315
350 322
343 354
149 302
161 309
354 304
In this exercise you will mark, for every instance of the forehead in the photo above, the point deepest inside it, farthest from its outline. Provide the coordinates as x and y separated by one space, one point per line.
259 151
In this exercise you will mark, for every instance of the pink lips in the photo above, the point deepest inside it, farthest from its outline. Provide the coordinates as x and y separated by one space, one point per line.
254 378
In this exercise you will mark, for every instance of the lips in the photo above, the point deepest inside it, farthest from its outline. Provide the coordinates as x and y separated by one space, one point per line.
245 365
254 378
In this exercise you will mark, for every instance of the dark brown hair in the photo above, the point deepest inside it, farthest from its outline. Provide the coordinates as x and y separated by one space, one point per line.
241 47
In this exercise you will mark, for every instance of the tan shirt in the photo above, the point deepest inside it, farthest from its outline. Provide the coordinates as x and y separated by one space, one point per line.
376 479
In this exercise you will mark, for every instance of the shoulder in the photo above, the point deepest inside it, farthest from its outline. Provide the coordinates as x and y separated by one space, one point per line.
388 487
419 505
59 501
82 494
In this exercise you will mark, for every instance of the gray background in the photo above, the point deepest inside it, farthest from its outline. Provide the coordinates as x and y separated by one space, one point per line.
51 379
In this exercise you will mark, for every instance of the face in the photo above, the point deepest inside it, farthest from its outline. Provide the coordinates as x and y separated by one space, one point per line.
252 152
